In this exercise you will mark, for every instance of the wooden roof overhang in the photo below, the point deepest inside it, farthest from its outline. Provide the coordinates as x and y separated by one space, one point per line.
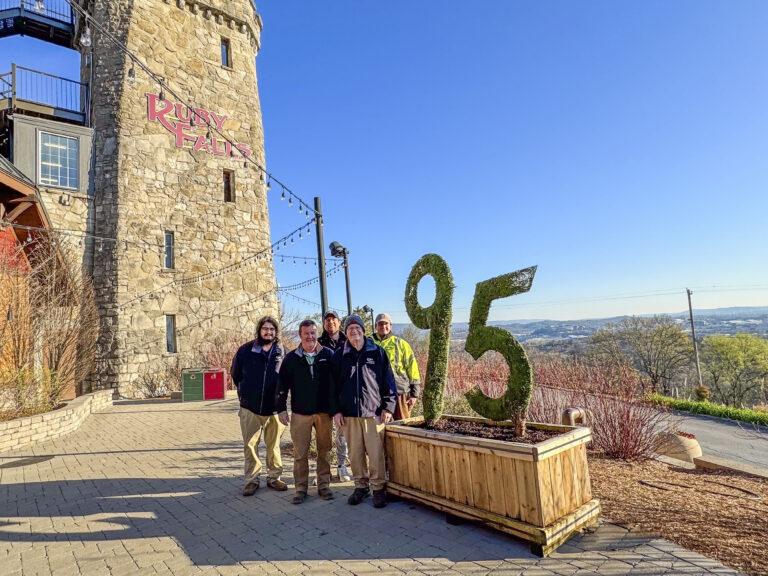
21 208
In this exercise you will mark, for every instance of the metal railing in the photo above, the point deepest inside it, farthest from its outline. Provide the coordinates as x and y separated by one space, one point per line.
42 88
55 9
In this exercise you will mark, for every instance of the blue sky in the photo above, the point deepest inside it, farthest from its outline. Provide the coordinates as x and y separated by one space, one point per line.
620 146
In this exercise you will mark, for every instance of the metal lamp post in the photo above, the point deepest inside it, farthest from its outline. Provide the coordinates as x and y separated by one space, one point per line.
338 251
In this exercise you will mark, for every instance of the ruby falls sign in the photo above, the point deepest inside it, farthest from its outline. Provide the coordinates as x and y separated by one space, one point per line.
182 122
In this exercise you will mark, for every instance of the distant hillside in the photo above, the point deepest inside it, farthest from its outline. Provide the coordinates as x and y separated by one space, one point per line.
748 319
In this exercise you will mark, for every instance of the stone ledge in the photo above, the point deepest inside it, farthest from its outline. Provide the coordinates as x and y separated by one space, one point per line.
714 463
24 432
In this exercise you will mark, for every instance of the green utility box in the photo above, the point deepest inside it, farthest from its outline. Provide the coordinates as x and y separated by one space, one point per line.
192 385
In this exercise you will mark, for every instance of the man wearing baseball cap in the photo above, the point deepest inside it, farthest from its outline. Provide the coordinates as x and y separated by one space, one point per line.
333 338
403 364
363 399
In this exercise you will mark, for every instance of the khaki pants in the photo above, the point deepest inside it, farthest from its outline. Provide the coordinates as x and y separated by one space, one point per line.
366 435
252 425
301 434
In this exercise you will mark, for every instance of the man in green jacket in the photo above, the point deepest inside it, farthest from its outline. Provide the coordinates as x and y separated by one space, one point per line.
403 364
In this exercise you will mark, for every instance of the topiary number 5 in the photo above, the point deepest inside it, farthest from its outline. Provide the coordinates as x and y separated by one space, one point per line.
482 338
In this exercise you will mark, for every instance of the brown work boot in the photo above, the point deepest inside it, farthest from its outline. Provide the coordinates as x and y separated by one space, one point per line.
277 484
379 498
299 497
325 494
250 488
358 495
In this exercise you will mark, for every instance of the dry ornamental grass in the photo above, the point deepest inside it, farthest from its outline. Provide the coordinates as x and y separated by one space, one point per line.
720 515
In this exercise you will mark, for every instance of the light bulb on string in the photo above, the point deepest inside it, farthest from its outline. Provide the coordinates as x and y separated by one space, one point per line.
292 241
290 201
85 38
282 196
300 236
132 74
208 133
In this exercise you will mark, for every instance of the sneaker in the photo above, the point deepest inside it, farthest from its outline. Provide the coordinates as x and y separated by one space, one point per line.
358 495
299 497
250 488
326 494
277 484
344 474
379 498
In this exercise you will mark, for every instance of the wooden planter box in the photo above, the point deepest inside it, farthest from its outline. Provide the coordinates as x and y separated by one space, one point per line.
539 492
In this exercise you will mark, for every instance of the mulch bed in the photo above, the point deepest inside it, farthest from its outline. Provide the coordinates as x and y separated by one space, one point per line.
494 432
720 515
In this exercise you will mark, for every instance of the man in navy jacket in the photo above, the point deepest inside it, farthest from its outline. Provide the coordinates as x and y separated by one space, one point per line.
363 400
305 375
254 371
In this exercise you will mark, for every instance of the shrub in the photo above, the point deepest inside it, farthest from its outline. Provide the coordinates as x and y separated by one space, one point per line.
711 409
702 393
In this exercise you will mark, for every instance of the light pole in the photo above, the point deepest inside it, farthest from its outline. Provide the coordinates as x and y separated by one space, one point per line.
368 310
338 251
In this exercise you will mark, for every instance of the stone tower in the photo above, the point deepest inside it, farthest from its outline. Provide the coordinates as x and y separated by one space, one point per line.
192 260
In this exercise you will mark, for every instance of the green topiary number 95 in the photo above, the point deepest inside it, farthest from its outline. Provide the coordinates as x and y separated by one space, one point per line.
481 338
436 318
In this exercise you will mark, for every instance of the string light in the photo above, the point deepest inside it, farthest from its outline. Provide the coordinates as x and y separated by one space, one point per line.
131 74
85 38
86 41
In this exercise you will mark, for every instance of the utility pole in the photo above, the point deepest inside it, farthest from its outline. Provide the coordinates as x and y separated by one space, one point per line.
320 255
693 335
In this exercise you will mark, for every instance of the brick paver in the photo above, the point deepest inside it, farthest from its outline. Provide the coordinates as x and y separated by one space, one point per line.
154 488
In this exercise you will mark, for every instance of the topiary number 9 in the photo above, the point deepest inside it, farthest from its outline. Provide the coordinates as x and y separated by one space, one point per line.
482 338
436 318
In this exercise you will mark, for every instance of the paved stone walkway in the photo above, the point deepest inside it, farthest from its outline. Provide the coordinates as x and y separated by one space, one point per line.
155 489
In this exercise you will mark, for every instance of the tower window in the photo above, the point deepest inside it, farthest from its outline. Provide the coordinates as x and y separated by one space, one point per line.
170 333
229 186
169 261
58 161
226 53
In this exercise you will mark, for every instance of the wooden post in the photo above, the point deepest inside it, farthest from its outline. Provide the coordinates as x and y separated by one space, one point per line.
693 335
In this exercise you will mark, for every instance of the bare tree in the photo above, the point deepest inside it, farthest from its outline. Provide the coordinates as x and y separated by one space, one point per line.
656 345
50 328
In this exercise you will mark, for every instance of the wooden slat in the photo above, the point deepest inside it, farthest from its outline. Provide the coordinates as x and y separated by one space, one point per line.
391 461
464 478
425 467
402 460
412 455
570 481
556 488
479 480
511 497
494 472
438 473
544 478
527 491
580 457
451 476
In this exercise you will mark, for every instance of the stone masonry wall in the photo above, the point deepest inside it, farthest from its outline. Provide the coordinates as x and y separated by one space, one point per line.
23 432
146 186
